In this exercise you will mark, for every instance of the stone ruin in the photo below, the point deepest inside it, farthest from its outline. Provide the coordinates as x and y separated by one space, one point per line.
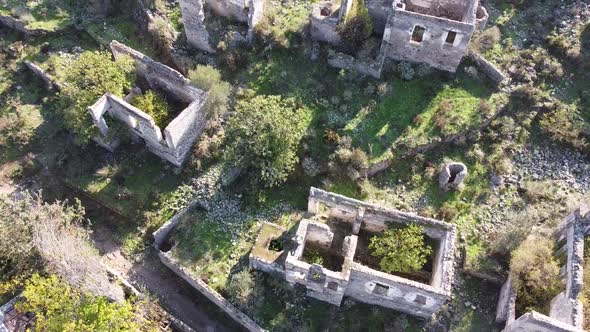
435 32
340 228
179 135
193 16
452 175
566 311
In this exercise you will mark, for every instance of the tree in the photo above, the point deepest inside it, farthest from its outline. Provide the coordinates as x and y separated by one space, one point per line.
240 287
357 25
401 249
209 79
153 104
59 306
265 132
37 236
86 80
535 274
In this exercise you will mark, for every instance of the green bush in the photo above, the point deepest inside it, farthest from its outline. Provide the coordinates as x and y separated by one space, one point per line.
401 249
240 287
60 307
357 26
264 135
155 105
209 79
565 125
535 273
86 80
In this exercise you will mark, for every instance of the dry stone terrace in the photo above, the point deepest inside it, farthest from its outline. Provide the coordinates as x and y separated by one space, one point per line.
336 228
175 143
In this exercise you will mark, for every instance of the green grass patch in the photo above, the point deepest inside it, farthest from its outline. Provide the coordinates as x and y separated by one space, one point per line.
36 14
409 114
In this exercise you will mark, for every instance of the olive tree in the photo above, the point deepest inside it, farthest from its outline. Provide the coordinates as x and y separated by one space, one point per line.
86 80
401 249
264 133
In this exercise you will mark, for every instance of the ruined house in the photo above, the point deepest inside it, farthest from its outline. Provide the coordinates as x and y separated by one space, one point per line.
435 32
175 143
566 311
193 16
339 229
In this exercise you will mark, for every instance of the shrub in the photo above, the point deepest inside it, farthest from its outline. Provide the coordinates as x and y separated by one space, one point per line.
87 79
406 71
535 274
353 162
209 79
401 249
14 130
357 26
265 133
565 125
155 105
240 287
487 39
58 306
162 33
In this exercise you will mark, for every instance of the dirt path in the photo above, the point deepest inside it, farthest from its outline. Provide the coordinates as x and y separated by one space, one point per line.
173 293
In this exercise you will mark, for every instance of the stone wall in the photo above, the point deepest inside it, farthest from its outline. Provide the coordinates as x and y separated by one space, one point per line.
50 82
211 294
180 134
566 310
323 20
234 9
534 321
487 68
15 24
255 15
193 18
371 68
379 11
375 287
355 280
433 49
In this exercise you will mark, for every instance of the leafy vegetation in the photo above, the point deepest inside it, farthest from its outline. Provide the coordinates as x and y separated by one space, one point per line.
60 307
266 132
209 79
155 105
535 274
87 79
357 26
401 249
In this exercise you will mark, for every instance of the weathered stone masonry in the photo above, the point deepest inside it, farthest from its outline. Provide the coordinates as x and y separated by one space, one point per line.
179 136
354 279
566 311
193 16
435 32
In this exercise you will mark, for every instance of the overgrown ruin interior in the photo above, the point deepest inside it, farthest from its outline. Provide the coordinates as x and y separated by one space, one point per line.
179 135
337 232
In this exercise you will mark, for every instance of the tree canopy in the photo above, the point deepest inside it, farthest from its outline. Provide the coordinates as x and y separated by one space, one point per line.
86 80
401 249
264 135
58 306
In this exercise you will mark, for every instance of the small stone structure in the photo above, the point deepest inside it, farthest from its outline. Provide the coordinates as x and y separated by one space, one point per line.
178 137
340 227
566 311
193 16
452 175
435 32
163 248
